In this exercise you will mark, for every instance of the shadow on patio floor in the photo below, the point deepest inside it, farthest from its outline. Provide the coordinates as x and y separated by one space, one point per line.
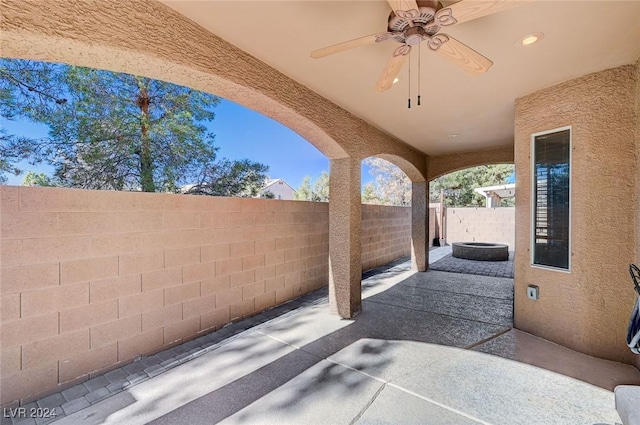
427 346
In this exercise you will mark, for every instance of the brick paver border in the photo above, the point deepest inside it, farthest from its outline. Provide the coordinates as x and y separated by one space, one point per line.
483 268
90 392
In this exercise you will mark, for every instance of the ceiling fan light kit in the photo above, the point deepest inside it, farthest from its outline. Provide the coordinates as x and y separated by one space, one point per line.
410 23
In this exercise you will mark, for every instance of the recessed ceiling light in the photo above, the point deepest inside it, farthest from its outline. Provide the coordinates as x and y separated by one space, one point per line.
530 39
453 136
395 80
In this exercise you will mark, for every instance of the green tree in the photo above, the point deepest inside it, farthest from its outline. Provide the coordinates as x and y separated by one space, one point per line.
115 131
304 192
459 186
369 194
392 187
231 178
8 156
25 87
318 192
321 188
38 179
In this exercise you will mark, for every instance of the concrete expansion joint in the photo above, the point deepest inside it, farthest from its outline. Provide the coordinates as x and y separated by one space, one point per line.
444 406
285 342
369 403
357 370
482 341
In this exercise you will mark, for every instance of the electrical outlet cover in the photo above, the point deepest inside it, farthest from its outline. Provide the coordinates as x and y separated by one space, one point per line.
533 292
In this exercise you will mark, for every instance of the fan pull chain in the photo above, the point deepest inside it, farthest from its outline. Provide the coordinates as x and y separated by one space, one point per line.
419 75
409 100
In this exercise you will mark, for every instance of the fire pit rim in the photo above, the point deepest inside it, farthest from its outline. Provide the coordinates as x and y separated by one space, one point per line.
480 251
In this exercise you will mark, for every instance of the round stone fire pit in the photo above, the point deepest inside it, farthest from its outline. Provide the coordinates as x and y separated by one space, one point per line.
480 251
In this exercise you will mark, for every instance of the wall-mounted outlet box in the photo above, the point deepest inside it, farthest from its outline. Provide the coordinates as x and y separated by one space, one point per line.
533 292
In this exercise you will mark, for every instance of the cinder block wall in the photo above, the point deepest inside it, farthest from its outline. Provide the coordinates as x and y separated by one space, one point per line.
433 225
495 225
92 279
386 234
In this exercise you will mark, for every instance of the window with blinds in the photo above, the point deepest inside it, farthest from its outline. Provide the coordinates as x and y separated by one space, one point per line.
551 191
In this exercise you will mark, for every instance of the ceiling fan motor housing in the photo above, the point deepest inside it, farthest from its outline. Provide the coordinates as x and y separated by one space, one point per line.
411 27
413 21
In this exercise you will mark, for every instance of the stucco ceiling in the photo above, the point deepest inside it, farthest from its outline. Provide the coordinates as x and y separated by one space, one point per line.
579 37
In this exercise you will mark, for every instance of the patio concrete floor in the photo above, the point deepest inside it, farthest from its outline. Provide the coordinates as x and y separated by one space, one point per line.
431 347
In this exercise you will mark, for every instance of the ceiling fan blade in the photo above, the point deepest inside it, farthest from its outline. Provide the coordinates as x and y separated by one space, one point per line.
466 10
393 67
463 56
403 4
341 47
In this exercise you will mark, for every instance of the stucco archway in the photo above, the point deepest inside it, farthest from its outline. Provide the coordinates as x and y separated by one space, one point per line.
147 38
415 174
440 165
100 50
419 210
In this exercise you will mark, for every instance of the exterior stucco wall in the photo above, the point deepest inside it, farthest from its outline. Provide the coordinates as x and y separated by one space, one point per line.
495 225
91 279
588 308
637 260
445 164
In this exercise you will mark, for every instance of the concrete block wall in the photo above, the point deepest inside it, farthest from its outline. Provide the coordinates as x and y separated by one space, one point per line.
433 224
93 279
480 225
386 234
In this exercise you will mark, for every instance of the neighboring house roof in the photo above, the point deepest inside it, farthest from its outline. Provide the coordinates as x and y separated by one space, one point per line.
272 182
187 187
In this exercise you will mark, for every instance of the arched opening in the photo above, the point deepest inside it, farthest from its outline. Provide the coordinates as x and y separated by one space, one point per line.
110 46
474 206
141 259
394 215
148 38
159 240
86 128
386 213
441 165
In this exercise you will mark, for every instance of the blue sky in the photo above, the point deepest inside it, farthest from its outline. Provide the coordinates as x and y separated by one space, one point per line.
240 133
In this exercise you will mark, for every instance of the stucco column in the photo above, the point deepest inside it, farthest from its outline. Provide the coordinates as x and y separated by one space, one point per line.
419 226
345 265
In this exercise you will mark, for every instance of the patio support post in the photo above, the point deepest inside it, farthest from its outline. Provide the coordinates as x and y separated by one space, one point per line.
419 226
345 266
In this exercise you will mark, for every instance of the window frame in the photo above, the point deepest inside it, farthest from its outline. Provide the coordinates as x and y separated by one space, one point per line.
532 245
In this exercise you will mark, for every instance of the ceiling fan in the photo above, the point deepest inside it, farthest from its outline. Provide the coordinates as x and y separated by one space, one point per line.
412 22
